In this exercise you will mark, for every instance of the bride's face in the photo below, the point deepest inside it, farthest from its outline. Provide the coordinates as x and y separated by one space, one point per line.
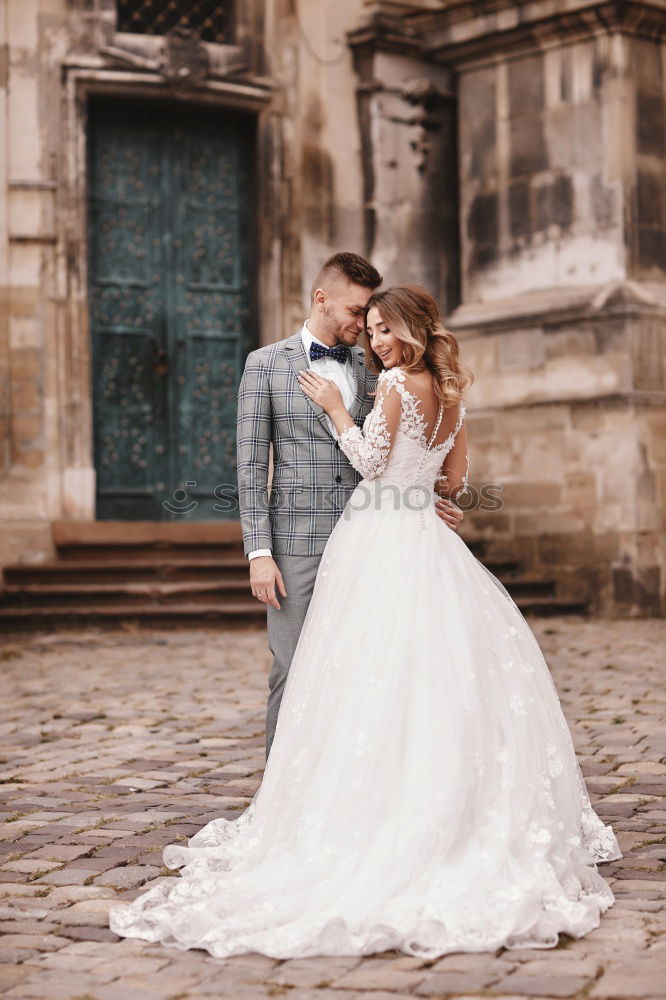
383 342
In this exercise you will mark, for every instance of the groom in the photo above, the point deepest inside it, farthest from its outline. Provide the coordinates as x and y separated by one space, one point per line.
284 534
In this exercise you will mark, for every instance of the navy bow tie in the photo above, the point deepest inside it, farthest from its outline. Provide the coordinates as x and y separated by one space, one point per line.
339 353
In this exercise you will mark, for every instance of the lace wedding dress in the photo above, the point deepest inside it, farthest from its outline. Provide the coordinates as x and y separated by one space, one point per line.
422 792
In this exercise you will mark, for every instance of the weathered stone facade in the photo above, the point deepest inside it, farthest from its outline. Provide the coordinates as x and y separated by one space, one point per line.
509 156
563 295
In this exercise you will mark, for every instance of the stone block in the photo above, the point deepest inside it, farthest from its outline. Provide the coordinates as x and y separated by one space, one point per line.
66 876
603 202
580 491
379 976
38 942
60 852
438 984
640 587
532 494
528 146
524 984
31 212
579 548
90 912
520 211
26 396
588 418
312 972
651 255
127 877
26 432
526 85
651 124
641 978
480 427
651 198
517 549
569 342
555 204
482 219
84 933
29 867
522 349
26 363
524 422
10 975
488 524
477 104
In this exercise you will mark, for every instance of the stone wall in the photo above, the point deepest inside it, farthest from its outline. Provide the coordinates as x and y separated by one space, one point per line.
509 156
563 290
578 454
28 378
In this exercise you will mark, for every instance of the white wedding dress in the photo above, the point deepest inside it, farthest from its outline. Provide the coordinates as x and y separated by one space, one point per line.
422 793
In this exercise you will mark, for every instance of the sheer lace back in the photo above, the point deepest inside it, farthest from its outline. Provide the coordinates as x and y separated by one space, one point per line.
395 444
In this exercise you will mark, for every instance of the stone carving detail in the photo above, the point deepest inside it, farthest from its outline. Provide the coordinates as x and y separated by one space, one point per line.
423 96
185 60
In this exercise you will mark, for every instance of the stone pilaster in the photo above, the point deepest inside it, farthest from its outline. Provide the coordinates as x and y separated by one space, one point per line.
408 133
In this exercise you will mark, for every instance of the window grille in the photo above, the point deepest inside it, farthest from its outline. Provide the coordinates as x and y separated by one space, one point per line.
209 20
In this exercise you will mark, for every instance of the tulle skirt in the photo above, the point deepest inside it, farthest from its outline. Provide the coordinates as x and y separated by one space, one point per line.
422 792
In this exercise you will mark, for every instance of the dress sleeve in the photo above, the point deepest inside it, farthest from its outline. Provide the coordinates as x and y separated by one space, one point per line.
368 450
453 478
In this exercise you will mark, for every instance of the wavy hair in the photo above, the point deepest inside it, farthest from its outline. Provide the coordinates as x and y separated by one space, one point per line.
416 320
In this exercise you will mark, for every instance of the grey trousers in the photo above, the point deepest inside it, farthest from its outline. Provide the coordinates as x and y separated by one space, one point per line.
284 627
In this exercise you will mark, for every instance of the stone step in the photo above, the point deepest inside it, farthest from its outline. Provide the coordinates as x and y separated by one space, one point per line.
228 613
126 591
159 567
80 533
528 586
236 614
124 540
175 574
547 606
118 552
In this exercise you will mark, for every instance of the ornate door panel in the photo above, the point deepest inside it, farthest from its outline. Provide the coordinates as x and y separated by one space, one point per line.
171 265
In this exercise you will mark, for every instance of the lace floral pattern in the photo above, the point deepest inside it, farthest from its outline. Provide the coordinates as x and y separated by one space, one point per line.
368 450
399 453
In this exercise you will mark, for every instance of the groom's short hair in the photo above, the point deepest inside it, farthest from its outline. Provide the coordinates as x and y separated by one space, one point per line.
351 266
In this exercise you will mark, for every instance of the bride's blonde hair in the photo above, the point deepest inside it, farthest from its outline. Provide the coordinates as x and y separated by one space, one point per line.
416 320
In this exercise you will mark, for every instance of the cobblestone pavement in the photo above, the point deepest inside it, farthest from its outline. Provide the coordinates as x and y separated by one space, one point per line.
113 744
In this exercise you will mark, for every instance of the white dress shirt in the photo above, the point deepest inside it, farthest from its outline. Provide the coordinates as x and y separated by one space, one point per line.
342 375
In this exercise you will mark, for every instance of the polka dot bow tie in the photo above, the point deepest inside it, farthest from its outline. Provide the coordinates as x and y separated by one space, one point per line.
339 353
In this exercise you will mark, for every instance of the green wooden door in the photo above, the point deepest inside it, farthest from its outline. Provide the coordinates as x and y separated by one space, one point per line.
171 219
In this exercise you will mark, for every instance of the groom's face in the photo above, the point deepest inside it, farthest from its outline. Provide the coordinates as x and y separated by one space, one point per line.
344 311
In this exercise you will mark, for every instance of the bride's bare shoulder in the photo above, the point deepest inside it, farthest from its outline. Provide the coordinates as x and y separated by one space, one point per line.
420 384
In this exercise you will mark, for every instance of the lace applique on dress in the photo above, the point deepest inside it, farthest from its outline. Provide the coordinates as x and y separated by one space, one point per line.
394 436
368 450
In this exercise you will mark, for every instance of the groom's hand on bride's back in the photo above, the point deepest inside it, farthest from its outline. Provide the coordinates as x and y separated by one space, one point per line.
266 581
449 513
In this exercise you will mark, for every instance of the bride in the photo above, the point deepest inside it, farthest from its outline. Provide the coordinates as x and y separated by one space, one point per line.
422 793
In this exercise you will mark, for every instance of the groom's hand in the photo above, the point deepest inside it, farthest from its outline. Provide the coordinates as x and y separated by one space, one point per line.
265 577
449 513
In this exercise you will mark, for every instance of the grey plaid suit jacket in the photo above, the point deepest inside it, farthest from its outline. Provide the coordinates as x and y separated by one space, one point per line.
312 477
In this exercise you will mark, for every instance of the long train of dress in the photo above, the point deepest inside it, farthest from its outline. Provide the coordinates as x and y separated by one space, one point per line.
422 792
